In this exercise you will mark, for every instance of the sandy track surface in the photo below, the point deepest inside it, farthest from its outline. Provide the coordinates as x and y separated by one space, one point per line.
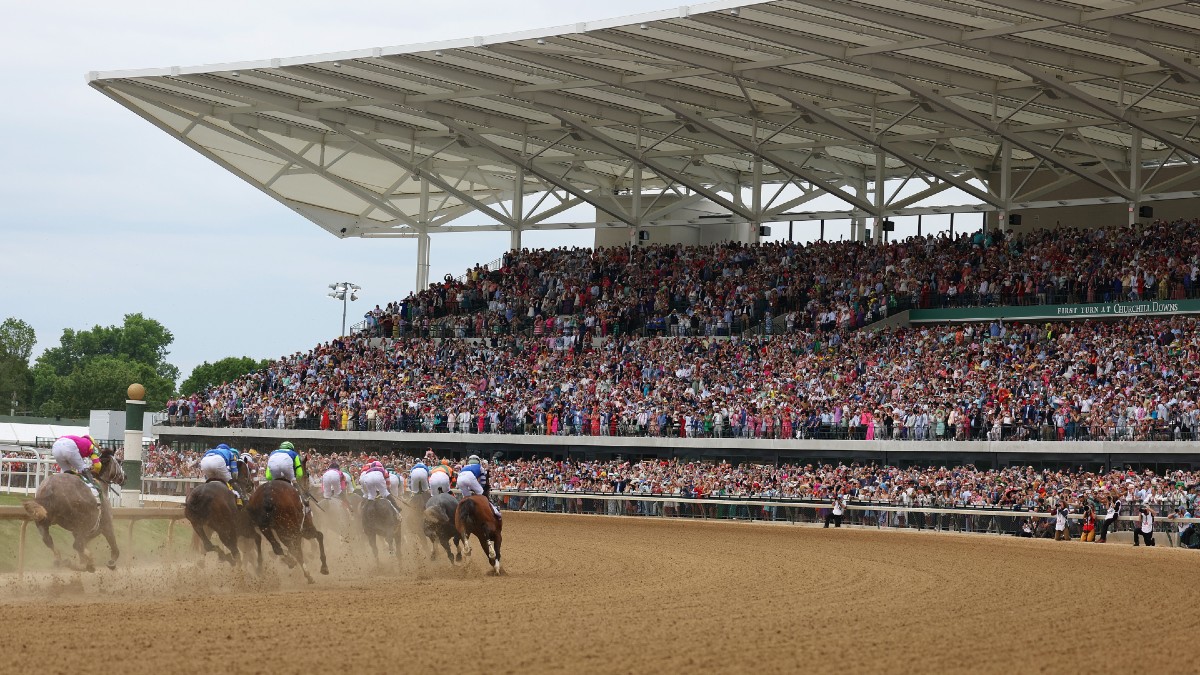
590 594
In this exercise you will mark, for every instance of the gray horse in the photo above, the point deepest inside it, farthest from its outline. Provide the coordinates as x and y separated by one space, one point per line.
65 500
439 525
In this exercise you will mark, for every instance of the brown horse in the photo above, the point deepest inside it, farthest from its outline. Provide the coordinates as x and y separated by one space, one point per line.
65 500
212 507
474 516
277 508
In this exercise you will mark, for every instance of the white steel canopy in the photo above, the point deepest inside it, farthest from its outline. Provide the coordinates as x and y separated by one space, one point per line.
748 108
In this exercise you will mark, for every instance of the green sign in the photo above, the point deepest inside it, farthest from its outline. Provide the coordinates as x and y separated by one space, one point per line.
1056 312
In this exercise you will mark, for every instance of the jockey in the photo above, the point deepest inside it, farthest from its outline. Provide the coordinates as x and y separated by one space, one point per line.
374 482
439 478
468 478
333 482
393 481
220 463
483 479
78 455
418 478
284 463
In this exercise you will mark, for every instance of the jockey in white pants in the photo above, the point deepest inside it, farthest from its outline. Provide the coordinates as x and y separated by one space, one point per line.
418 478
374 483
220 464
333 482
393 481
439 479
468 478
78 455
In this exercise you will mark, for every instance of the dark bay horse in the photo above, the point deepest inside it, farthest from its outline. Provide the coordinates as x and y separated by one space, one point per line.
379 519
212 507
65 500
474 516
277 509
439 527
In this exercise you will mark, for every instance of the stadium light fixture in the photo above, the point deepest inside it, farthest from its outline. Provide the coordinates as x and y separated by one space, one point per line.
347 293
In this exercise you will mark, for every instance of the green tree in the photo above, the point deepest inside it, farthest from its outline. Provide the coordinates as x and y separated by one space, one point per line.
138 339
90 369
17 339
225 370
16 380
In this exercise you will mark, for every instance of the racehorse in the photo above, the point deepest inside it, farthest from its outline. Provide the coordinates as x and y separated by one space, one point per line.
65 500
277 508
380 519
438 525
474 515
213 507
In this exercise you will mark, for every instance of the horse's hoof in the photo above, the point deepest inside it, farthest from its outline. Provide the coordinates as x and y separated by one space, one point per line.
458 558
90 568
325 571
111 564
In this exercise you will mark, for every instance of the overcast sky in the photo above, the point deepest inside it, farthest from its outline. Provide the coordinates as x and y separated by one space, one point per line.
101 214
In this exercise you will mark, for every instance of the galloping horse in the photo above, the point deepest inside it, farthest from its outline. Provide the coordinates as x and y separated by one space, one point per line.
213 507
438 524
380 519
474 515
276 508
65 500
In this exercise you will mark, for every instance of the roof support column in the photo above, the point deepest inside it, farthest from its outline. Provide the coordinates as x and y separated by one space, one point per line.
422 261
1135 175
858 226
880 195
1005 186
635 205
518 209
423 239
756 200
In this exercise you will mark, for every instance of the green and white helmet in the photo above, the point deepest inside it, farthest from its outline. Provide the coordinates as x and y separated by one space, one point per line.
286 445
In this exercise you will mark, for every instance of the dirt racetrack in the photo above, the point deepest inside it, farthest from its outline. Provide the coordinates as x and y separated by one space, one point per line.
590 594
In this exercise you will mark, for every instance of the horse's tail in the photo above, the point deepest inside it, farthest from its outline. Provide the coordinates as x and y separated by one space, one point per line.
463 517
35 511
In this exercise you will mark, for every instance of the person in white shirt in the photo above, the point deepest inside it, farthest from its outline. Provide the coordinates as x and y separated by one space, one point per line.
839 509
1145 528
1110 518
1062 523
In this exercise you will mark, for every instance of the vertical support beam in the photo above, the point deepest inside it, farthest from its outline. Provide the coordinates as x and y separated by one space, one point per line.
822 229
858 225
880 190
790 223
422 261
1135 175
756 201
951 226
518 209
635 205
918 224
1005 186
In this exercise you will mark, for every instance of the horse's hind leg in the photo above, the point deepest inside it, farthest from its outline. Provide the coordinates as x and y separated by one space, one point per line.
44 528
205 542
229 537
374 548
446 545
316 534
496 539
273 541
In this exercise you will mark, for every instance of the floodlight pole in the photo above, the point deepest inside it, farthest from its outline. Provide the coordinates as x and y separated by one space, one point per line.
344 290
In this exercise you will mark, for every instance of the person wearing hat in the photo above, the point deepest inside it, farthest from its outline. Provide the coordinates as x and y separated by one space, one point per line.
78 455
468 477
220 464
333 482
284 463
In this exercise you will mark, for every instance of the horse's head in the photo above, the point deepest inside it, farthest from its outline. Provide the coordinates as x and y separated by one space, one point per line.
111 471
245 477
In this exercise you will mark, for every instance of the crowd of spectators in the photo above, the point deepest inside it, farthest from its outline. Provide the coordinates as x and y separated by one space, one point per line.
1135 379
1013 488
721 289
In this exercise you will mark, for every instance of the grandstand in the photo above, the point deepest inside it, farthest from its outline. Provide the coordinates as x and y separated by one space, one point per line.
689 132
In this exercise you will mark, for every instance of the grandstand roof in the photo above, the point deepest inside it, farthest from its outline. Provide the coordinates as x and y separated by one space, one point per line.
724 103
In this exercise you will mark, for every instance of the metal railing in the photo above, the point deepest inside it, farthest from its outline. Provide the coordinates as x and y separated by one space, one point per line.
870 514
